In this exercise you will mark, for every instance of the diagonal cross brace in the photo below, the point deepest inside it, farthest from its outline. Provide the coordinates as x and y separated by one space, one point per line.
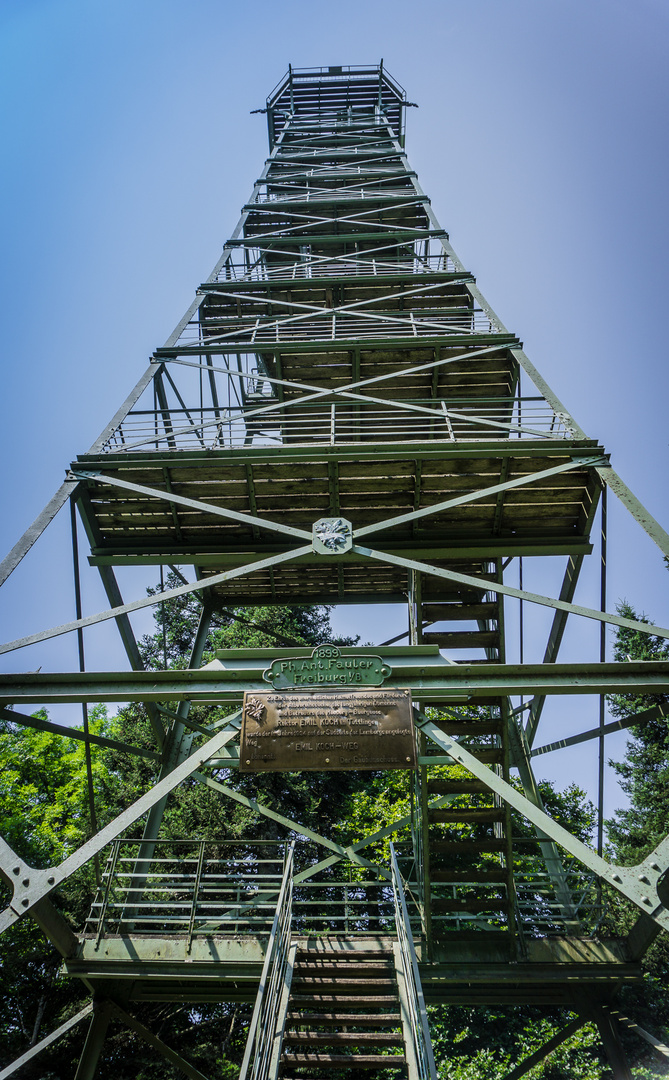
193 504
637 883
48 1040
486 585
31 885
157 598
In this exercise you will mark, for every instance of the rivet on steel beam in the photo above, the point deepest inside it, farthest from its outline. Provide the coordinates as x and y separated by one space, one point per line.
51 880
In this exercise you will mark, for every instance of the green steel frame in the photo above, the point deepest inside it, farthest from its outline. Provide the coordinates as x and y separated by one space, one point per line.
340 362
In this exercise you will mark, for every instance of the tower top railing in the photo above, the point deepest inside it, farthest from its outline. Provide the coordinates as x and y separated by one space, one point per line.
360 88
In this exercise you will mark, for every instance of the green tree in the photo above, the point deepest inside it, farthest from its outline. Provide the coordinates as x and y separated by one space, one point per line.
44 815
636 829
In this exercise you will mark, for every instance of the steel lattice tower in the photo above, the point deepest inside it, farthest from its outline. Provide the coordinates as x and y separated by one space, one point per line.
340 364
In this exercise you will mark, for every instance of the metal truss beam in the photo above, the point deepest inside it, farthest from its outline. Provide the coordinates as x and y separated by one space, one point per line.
167 1052
94 1040
32 534
31 885
47 1041
150 601
661 1048
546 1050
38 724
636 508
657 712
450 682
519 594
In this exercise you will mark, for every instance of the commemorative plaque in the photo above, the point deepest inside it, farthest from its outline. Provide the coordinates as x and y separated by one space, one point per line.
322 731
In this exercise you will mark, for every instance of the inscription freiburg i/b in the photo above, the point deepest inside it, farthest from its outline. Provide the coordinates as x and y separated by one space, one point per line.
321 731
327 666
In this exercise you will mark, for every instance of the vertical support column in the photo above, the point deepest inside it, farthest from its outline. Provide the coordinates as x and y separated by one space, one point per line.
602 698
90 1055
82 667
514 923
609 1034
416 638
176 749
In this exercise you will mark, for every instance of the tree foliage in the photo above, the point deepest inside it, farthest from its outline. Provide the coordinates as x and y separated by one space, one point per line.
637 829
44 815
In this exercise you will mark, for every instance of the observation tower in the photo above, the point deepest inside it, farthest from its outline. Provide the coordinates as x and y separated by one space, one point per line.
341 418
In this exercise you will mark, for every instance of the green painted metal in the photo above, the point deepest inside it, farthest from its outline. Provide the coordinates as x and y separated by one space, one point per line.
48 1040
330 666
426 677
519 594
151 601
339 290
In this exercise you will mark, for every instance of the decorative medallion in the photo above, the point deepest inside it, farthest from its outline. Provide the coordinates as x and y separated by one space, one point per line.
332 536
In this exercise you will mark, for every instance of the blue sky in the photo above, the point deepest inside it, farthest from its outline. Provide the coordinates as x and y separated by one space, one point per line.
128 150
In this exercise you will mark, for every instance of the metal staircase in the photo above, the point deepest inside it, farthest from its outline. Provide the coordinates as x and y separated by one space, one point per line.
341 362
343 1013
337 1001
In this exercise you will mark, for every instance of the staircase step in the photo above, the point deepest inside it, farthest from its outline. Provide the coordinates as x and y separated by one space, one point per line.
346 967
463 639
377 1000
375 986
471 877
483 816
495 904
469 727
343 1061
434 613
341 1038
456 787
432 608
351 1019
344 954
465 847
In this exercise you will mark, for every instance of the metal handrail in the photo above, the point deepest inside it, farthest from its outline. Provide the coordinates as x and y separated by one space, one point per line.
418 1025
264 1022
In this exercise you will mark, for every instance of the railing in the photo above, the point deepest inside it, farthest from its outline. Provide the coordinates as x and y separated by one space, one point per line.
260 332
193 887
266 1013
198 888
336 424
349 266
415 1002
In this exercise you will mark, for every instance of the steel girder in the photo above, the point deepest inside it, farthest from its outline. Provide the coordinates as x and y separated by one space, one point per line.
338 291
